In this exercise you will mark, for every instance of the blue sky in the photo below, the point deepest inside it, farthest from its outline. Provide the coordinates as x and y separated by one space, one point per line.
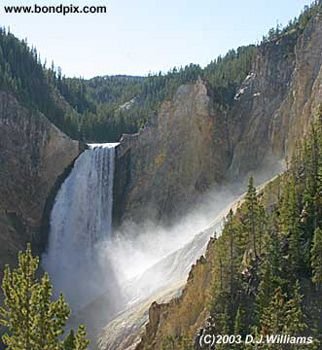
142 36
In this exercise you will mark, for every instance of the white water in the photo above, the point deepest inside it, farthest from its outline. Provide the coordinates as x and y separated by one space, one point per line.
139 262
163 280
80 220
160 282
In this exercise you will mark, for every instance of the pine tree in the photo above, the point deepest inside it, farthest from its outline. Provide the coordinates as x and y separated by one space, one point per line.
316 258
309 214
265 288
239 326
290 227
273 269
295 238
318 194
69 342
251 217
284 316
32 320
81 343
294 317
272 318
230 229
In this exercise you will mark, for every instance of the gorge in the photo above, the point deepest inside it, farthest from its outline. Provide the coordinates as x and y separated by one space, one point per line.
129 230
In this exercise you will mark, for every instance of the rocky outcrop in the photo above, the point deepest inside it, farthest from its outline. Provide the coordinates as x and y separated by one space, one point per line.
125 331
191 145
181 316
292 119
272 111
33 154
174 158
279 100
259 97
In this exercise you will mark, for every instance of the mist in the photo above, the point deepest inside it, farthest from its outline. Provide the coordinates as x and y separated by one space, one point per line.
143 260
134 247
104 273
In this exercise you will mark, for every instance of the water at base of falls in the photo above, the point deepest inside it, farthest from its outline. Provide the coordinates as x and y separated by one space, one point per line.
80 220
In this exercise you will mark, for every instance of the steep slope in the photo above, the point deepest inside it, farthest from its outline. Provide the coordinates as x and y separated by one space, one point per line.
164 281
33 154
174 158
184 314
193 144
126 329
277 101
266 264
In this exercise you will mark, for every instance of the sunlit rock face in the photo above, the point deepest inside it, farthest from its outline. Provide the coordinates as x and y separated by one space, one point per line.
178 156
272 111
279 100
191 145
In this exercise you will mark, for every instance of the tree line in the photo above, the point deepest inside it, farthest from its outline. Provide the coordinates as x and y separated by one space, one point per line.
103 108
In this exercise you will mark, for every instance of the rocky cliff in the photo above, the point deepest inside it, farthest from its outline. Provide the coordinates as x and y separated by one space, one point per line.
271 112
274 108
182 316
173 158
192 144
33 154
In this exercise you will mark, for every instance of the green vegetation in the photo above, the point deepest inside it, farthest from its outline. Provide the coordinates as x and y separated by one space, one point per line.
267 265
31 319
103 108
22 73
268 276
125 104
225 74
298 24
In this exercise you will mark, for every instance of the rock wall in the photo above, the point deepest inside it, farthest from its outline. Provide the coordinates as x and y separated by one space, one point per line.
191 145
183 315
173 159
272 112
33 154
279 101
293 118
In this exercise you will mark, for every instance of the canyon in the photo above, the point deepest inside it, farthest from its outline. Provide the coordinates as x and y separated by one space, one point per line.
191 147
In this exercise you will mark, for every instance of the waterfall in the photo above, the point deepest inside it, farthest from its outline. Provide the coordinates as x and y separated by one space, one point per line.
81 219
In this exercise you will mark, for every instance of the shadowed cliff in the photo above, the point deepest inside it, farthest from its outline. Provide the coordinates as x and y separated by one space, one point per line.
33 154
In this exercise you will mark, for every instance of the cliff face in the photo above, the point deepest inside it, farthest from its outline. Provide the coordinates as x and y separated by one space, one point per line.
33 154
174 158
272 111
191 145
305 91
182 316
258 99
278 100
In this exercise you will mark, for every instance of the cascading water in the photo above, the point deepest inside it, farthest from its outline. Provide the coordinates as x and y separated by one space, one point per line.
80 220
